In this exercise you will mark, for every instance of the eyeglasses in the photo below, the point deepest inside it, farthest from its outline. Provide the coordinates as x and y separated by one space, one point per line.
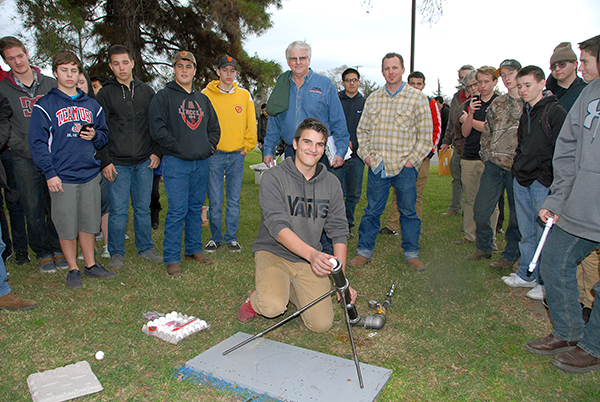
560 64
351 80
472 85
301 59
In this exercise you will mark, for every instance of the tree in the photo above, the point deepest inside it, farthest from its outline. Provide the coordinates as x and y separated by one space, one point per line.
335 74
154 30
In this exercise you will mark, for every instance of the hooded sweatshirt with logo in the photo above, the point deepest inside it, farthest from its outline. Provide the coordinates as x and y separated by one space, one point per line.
184 124
55 145
237 117
22 106
306 207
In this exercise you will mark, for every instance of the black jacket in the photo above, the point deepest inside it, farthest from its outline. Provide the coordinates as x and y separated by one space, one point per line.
126 112
185 125
566 96
538 129
353 108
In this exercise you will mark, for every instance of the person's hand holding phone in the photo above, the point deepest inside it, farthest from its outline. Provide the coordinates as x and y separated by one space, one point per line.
87 132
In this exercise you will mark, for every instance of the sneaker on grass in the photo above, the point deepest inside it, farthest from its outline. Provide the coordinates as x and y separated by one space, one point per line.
105 253
74 279
537 293
515 281
46 265
212 246
22 258
60 262
117 261
151 256
98 271
234 247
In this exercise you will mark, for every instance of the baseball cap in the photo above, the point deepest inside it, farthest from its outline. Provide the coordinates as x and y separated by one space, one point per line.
184 55
227 61
509 64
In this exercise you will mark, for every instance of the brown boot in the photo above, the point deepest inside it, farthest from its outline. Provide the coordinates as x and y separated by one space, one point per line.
174 271
359 261
416 264
201 258
11 301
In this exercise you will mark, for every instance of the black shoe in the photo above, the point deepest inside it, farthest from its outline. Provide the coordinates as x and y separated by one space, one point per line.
386 231
22 258
98 271
6 254
74 279
154 217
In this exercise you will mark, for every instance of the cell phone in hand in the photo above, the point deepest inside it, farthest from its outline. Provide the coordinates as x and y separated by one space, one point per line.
477 98
86 127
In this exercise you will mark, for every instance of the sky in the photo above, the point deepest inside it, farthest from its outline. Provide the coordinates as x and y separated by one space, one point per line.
477 32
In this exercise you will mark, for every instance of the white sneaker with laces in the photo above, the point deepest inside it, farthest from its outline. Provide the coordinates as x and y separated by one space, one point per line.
105 253
537 293
506 277
517 282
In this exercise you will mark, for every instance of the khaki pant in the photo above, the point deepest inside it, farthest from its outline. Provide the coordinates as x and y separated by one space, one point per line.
394 218
280 281
471 172
588 274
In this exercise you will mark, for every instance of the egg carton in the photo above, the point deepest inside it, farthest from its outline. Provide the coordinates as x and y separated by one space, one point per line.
174 327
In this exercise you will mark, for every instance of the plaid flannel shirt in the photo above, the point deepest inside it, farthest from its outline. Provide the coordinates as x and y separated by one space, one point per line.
394 130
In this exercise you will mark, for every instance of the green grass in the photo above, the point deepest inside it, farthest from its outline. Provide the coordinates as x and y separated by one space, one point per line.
454 333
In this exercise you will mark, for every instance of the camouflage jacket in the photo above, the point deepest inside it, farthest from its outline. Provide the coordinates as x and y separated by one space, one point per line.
499 137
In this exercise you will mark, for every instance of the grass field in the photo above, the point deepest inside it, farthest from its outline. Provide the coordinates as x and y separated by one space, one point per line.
454 332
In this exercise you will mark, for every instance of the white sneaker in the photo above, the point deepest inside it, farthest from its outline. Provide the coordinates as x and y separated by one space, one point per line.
517 282
506 277
105 253
80 257
537 293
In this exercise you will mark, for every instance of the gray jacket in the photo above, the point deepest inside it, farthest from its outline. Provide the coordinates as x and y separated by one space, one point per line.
576 188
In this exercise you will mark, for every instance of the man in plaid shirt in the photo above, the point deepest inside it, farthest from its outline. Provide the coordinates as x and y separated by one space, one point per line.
394 134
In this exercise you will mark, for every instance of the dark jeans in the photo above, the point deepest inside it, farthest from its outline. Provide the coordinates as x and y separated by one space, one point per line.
15 209
493 182
351 175
33 189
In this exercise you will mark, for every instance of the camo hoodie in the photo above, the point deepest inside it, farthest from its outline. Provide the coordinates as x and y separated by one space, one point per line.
306 207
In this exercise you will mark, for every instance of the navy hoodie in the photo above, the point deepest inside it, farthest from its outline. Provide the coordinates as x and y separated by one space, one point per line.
353 108
55 146
184 124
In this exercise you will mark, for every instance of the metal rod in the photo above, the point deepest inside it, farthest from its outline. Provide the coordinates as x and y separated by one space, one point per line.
356 363
296 314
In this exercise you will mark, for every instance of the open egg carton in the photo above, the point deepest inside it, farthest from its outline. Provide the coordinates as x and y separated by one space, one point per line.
174 327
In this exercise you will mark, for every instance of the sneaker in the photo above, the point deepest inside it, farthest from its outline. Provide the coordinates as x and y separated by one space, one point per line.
80 256
74 279
11 301
46 265
387 231
99 236
234 247
506 277
537 293
515 281
6 255
246 313
22 258
151 256
60 261
98 271
105 253
212 246
116 261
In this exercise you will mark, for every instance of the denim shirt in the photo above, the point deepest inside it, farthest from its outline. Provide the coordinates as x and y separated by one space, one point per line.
317 97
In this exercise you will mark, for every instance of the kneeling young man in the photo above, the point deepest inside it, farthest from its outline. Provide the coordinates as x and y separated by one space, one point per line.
299 199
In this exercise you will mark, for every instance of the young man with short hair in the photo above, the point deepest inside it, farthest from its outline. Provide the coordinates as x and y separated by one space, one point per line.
129 160
473 121
497 151
235 109
352 171
23 86
416 79
572 204
290 266
185 125
67 128
588 62
564 82
539 126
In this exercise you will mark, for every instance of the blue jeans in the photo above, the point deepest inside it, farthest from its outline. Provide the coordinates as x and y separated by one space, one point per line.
493 182
185 183
351 175
136 181
230 165
35 196
378 191
558 267
4 286
528 202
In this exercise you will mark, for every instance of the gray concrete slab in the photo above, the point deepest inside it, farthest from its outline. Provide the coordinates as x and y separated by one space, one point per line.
289 373
64 383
